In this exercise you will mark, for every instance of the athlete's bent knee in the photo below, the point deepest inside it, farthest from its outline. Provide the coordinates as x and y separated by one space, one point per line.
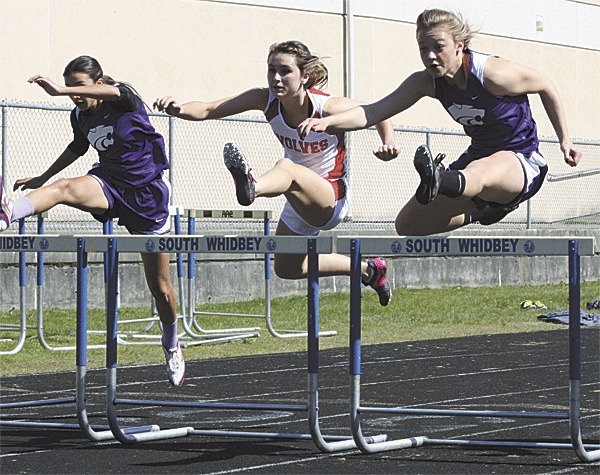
284 163
161 291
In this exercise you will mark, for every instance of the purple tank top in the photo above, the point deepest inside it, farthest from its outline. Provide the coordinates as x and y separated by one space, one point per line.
131 152
494 123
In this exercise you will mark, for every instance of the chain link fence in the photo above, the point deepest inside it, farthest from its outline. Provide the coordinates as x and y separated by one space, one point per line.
34 135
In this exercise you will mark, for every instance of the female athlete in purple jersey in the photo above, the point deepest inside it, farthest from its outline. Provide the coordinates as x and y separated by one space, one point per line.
487 95
128 184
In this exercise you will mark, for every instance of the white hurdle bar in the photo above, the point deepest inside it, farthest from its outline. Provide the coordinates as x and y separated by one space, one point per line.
23 244
404 246
193 215
218 244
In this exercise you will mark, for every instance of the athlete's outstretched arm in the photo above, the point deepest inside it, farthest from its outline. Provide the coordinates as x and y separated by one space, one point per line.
388 149
63 161
413 88
504 78
253 99
100 91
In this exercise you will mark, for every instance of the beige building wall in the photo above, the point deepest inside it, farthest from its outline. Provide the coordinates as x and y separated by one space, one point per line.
210 49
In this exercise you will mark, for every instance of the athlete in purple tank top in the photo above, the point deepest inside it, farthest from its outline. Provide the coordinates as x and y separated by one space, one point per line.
127 184
488 96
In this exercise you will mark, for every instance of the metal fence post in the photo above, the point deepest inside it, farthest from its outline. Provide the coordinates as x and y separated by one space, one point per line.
171 155
4 137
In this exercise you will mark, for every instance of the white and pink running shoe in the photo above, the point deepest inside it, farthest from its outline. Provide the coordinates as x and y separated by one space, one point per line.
175 365
6 207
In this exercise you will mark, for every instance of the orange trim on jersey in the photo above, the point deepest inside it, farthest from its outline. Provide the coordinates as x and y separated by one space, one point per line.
339 189
314 90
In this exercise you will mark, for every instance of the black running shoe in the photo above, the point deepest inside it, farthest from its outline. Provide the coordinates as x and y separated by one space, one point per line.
241 173
429 170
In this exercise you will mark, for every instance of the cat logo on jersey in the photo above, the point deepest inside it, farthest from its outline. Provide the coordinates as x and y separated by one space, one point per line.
466 115
101 137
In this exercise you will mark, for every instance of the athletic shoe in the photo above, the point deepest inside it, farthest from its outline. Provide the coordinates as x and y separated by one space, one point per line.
175 365
242 174
530 304
379 281
593 305
429 170
6 207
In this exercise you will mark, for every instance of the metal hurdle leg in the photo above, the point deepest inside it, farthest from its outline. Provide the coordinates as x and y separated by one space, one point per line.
575 356
327 443
108 229
278 333
22 326
313 362
574 365
90 431
40 297
191 275
355 365
189 336
272 330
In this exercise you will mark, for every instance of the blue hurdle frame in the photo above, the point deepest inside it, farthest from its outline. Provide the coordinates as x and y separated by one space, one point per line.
42 243
532 246
21 327
282 244
192 216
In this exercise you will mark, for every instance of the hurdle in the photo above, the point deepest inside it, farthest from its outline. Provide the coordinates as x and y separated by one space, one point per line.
41 243
219 244
266 216
40 279
187 336
470 246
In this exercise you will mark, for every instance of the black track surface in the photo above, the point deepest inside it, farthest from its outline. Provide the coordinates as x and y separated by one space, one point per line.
513 372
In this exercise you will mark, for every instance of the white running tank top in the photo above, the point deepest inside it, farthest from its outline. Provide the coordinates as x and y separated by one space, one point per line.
323 153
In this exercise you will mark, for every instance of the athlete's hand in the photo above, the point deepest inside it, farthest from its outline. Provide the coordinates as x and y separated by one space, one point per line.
387 152
318 125
168 104
47 85
571 155
29 183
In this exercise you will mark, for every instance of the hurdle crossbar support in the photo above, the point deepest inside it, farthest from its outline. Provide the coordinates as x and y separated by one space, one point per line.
459 246
232 244
267 315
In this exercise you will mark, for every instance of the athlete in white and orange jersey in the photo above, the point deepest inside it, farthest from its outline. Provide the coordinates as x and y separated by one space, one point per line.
312 173
321 152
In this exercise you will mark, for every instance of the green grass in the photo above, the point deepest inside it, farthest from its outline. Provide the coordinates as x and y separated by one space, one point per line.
413 314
